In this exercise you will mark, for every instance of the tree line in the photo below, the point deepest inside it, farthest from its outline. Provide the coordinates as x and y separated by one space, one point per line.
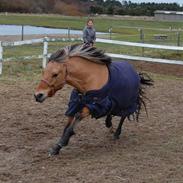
65 7
84 7
114 7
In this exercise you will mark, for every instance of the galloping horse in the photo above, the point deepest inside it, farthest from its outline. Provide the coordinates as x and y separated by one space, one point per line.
101 87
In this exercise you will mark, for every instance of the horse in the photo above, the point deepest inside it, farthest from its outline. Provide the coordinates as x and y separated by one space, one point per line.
102 88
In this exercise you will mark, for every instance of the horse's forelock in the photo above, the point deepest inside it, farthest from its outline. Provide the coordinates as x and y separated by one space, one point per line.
58 55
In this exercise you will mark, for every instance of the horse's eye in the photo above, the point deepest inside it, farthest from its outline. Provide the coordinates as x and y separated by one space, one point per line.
55 75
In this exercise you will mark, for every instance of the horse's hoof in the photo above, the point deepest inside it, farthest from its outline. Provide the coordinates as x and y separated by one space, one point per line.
54 150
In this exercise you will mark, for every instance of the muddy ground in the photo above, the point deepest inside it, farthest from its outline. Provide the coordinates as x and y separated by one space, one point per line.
150 151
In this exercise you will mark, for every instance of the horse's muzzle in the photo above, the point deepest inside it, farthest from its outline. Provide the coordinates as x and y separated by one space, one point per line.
40 97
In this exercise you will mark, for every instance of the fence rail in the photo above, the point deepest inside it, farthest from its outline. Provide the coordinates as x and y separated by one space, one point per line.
143 45
45 53
146 59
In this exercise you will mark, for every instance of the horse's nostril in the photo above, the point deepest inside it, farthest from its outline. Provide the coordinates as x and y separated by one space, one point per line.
39 97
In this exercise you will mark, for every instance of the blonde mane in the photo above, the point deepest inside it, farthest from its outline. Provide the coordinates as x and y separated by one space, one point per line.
80 50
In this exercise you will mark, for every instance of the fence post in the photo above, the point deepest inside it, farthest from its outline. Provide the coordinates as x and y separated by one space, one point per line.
45 52
142 39
68 33
1 58
22 33
178 38
110 33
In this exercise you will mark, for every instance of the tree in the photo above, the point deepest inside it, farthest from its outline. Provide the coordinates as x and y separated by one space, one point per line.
110 10
81 7
96 10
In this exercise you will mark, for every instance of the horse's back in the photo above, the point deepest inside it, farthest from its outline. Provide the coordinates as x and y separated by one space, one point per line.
125 84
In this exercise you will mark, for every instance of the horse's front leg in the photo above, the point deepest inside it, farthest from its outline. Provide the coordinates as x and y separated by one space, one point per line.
68 131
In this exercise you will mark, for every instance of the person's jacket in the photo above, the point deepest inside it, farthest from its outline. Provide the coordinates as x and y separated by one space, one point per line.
89 35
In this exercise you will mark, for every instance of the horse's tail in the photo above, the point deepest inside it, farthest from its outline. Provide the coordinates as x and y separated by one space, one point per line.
145 80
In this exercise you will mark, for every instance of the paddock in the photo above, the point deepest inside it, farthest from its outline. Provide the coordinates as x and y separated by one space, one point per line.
148 151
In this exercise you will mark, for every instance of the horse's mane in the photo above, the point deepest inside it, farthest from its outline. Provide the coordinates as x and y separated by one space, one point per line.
80 50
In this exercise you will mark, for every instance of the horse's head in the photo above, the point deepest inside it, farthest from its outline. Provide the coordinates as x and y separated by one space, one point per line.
53 79
59 69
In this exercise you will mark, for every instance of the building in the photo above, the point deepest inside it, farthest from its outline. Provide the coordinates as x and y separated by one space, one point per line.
168 15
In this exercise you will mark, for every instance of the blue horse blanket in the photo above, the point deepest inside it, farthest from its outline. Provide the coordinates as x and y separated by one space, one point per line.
118 97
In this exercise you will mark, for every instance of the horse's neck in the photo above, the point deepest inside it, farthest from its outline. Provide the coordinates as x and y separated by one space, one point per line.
85 75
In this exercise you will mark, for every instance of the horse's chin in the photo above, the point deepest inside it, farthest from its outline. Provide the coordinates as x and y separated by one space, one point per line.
42 100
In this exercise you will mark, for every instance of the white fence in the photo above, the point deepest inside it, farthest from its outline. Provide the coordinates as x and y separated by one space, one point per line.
45 53
143 45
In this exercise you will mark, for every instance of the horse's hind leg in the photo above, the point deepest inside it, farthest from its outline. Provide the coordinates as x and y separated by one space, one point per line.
119 128
108 123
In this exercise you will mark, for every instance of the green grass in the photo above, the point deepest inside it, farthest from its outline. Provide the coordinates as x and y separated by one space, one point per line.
25 50
21 71
101 23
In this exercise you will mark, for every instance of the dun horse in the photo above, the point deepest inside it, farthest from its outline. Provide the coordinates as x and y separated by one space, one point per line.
101 88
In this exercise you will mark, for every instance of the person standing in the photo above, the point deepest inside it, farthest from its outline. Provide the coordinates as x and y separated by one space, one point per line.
89 34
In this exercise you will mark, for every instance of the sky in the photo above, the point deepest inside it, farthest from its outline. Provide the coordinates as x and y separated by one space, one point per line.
158 1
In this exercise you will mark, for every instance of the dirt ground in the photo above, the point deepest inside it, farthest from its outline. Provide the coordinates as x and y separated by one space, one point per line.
150 151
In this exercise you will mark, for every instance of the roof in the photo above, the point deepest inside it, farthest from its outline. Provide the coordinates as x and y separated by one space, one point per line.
169 12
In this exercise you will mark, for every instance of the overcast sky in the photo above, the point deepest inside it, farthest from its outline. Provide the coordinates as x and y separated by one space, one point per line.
159 1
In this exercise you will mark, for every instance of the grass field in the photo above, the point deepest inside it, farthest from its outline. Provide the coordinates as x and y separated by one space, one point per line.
101 23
